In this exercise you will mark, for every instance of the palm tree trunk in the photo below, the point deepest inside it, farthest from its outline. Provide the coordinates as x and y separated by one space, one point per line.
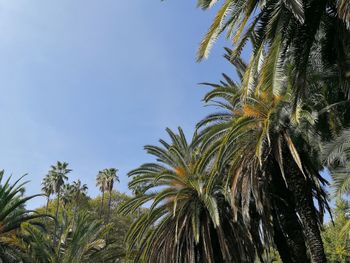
304 204
288 236
47 205
109 206
101 208
76 204
281 242
56 215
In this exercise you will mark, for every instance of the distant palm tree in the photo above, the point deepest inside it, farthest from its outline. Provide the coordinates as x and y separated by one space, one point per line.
138 190
59 173
101 182
48 189
79 190
112 177
67 194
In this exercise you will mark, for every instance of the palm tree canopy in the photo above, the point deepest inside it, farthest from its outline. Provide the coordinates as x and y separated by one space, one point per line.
68 194
112 177
188 221
101 181
79 188
48 185
254 123
293 26
59 173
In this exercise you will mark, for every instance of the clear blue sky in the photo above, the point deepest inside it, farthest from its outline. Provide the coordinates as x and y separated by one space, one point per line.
91 82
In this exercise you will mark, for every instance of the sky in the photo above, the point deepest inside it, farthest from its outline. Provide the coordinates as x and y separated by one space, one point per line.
91 82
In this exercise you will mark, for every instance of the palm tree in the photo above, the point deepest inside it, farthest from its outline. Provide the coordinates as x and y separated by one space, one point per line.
67 194
294 26
79 190
101 182
187 221
59 173
12 215
47 189
80 239
267 143
139 190
112 177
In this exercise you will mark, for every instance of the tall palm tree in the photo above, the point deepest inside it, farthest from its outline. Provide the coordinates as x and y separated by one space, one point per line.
48 189
79 190
101 182
265 143
59 173
187 221
112 177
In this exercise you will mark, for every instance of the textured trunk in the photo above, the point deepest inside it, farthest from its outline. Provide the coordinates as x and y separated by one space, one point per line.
281 242
56 215
109 206
294 237
289 237
77 200
47 205
302 194
101 208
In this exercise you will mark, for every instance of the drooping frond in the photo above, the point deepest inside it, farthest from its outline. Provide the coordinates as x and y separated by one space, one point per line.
214 30
336 155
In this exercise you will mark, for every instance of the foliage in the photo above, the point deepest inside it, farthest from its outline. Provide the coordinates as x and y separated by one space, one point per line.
247 187
12 215
88 208
336 241
79 238
288 29
337 156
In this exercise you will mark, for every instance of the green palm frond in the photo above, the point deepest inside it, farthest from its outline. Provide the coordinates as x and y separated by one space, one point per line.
301 24
336 155
214 30
13 215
